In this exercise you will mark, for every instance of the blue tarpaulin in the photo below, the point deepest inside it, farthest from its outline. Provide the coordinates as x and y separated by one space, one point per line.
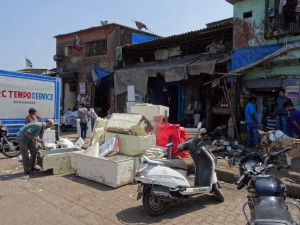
138 38
246 56
98 74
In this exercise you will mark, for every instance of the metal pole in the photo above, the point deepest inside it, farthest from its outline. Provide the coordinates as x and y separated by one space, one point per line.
231 109
169 153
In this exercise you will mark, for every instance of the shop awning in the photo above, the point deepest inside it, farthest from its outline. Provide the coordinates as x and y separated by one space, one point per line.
175 70
244 59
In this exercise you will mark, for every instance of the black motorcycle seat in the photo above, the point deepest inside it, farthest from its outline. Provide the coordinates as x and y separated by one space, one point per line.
271 213
174 163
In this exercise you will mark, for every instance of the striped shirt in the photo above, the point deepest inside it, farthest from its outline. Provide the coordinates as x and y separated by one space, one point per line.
271 124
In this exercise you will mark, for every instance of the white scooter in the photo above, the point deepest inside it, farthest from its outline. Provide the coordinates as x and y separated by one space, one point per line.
163 181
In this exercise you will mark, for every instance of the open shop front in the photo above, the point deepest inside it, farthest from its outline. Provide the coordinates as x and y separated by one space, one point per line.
266 91
178 85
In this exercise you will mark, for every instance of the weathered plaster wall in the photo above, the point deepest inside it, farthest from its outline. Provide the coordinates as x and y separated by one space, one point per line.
248 32
269 71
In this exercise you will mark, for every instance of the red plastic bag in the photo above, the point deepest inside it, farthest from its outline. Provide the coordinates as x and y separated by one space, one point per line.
176 132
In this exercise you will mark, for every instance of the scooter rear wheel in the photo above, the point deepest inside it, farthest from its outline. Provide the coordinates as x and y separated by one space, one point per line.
219 194
153 205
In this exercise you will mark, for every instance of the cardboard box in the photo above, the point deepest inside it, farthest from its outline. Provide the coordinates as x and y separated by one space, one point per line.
150 111
58 160
133 145
113 171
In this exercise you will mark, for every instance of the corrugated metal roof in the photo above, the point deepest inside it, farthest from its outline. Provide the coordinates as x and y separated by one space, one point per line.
228 23
106 26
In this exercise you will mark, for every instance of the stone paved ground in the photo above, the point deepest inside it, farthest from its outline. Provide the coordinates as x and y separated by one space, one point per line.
70 200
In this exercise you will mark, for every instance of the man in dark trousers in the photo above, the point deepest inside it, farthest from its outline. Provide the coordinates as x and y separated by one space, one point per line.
28 135
252 123
293 125
84 118
281 115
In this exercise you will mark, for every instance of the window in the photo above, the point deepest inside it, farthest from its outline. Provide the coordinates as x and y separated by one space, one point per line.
68 50
96 48
282 18
247 15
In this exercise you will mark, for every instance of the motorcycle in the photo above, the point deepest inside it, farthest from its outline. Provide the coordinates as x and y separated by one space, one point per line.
163 181
267 194
68 121
8 146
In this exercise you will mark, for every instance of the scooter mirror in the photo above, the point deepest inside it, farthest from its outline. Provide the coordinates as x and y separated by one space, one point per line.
199 125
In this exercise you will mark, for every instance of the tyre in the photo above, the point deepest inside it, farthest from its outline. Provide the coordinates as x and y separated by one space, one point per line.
153 205
219 194
11 149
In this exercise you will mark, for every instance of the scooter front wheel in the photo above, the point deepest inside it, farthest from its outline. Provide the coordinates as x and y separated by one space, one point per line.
219 194
153 205
11 149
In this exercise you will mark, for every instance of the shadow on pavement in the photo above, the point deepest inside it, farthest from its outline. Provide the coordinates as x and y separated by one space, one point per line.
21 175
92 184
137 215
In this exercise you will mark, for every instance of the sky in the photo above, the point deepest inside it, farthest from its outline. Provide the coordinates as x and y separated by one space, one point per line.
27 27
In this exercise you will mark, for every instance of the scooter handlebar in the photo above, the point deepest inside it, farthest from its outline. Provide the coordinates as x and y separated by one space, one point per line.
281 152
241 182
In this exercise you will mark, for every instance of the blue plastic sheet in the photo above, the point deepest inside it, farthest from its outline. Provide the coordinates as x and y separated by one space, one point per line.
246 56
138 38
98 74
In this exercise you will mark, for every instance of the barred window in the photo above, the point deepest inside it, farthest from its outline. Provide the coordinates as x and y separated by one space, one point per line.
96 48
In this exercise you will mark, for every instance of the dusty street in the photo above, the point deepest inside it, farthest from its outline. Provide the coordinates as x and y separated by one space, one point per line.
67 199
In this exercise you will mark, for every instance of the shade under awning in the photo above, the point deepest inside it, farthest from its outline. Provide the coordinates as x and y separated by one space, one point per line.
175 70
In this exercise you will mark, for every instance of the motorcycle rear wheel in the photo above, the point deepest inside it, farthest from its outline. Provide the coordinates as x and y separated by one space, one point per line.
8 151
219 194
153 205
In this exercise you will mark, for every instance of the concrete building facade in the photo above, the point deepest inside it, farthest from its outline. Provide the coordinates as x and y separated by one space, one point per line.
98 48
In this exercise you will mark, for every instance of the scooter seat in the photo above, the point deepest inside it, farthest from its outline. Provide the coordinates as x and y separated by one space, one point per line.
271 213
174 163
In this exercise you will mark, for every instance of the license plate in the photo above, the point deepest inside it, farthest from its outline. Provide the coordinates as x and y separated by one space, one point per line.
140 189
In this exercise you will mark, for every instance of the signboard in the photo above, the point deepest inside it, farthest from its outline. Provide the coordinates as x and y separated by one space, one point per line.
292 88
82 88
17 95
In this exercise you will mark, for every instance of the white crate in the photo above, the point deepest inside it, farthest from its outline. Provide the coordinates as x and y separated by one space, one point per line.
133 145
149 111
113 171
49 136
58 160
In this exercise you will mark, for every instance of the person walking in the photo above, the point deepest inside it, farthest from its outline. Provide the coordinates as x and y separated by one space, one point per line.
252 123
281 115
293 124
32 116
92 114
27 137
84 118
